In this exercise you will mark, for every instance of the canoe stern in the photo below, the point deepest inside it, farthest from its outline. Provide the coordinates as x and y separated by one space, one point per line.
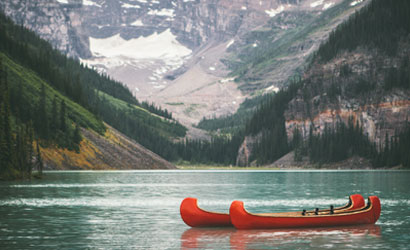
376 207
194 216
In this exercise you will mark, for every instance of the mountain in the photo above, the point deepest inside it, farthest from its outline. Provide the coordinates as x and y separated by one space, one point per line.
194 58
353 98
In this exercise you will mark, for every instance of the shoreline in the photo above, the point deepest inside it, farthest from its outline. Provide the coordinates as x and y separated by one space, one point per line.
308 167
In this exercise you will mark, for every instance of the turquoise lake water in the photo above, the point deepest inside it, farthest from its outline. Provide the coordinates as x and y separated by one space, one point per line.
140 209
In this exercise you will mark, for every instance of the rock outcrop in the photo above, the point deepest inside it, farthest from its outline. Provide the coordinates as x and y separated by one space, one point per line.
359 94
245 151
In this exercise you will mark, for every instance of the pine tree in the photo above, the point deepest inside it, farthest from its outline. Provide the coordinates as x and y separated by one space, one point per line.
54 116
42 119
77 138
39 160
5 129
30 151
63 125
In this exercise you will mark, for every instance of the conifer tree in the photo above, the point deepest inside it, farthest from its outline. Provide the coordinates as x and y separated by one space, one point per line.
77 138
63 125
39 160
42 120
54 116
30 151
5 129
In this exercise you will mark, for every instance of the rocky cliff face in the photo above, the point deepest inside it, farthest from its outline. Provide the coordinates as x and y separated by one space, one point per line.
352 86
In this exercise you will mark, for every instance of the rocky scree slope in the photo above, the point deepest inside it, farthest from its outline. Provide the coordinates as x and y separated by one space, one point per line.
110 151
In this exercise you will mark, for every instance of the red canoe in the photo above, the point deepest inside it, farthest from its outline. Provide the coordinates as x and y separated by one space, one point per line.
194 216
242 219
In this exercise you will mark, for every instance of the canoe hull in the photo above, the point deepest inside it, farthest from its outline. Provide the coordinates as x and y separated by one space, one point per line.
194 216
242 219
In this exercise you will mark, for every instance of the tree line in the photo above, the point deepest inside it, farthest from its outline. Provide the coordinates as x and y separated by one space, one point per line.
346 140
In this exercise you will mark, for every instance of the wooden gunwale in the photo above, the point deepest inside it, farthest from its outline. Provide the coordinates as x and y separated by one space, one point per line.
337 209
365 209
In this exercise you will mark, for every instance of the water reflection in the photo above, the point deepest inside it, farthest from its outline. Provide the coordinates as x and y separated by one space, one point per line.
205 238
338 237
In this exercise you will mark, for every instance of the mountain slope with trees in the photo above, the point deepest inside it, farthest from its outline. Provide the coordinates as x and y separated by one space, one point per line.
48 99
352 100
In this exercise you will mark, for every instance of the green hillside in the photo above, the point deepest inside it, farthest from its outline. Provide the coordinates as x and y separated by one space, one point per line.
25 88
90 97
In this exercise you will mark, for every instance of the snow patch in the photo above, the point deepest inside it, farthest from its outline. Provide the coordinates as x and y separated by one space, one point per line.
227 80
244 8
90 3
163 45
327 6
212 68
157 50
137 22
355 2
274 12
63 1
317 3
128 6
255 45
272 88
162 12
230 43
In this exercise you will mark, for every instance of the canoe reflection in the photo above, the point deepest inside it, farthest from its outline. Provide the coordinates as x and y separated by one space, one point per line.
205 238
199 238
245 239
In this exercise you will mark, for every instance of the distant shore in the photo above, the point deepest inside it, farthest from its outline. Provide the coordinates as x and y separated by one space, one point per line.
307 167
